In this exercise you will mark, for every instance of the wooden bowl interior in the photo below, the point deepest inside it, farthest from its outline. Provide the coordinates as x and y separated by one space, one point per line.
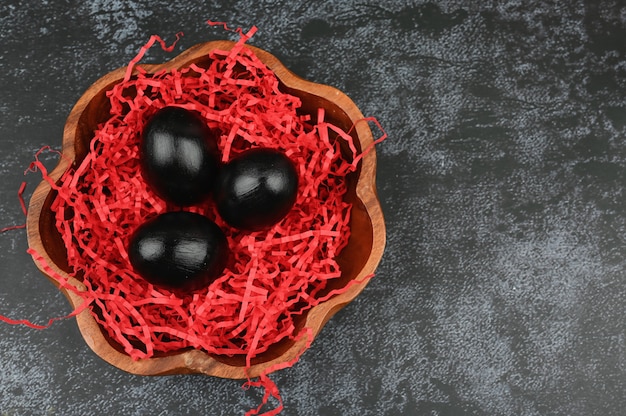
80 132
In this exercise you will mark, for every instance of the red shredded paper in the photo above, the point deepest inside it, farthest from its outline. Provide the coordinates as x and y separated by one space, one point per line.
274 275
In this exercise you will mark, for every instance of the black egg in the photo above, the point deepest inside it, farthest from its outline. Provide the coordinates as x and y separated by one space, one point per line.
256 189
179 250
179 156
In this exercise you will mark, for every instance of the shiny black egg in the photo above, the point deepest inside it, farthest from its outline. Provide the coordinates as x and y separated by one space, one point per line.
179 250
179 156
256 189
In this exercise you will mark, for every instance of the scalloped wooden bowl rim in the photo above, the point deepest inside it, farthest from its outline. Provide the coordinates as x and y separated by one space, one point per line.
196 361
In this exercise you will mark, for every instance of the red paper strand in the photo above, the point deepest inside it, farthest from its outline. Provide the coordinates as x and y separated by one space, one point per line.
273 277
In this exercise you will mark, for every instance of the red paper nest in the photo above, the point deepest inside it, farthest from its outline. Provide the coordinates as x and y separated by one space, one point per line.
273 277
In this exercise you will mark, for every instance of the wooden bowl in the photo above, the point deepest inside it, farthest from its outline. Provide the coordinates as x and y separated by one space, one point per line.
358 260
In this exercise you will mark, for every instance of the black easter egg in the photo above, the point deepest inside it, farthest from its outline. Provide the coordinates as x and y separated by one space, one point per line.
179 157
256 189
179 250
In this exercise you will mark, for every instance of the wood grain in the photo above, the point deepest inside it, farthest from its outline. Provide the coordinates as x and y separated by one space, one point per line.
358 260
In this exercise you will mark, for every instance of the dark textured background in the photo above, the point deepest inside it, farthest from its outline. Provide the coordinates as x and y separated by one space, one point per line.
503 286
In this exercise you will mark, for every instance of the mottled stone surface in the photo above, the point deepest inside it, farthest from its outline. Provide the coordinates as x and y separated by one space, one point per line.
503 286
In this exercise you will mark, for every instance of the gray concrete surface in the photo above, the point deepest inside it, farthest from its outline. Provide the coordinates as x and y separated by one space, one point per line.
503 286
